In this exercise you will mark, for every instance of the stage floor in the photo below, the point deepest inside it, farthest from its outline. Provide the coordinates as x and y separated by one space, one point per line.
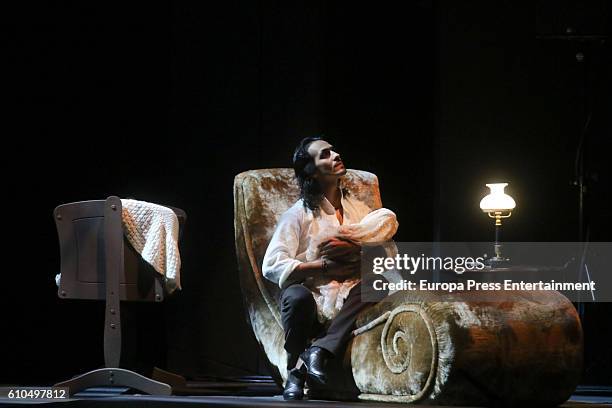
245 394
233 401
237 401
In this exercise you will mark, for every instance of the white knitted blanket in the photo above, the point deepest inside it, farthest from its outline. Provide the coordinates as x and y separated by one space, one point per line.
153 232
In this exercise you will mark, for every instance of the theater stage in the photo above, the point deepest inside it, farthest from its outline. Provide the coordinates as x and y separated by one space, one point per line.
262 393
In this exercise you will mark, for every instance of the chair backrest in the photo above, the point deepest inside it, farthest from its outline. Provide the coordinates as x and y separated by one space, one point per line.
261 197
84 234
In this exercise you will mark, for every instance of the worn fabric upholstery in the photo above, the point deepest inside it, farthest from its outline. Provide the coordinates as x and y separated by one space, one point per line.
417 347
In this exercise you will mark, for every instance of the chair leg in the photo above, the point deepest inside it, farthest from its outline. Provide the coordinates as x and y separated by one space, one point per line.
117 377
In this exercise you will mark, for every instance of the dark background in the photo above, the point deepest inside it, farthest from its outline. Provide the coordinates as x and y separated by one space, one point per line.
167 102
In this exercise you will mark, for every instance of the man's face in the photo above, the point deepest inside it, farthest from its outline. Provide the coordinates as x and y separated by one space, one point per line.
326 160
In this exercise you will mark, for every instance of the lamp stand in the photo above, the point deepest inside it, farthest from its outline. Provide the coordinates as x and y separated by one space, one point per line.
498 260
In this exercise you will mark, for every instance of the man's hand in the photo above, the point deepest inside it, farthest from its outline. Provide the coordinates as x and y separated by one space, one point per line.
340 250
342 261
342 270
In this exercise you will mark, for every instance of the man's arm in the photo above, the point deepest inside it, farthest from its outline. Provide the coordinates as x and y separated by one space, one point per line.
281 266
303 271
322 267
280 259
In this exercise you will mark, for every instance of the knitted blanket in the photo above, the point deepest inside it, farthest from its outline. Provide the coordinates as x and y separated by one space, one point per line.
153 232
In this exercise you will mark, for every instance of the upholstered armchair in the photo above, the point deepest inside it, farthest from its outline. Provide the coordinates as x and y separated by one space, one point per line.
415 347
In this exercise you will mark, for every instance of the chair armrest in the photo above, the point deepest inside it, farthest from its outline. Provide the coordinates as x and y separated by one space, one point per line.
417 347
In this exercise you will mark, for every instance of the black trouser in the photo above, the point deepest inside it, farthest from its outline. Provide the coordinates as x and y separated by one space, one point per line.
299 317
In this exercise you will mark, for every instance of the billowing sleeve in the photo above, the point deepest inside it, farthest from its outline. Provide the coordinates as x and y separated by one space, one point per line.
280 258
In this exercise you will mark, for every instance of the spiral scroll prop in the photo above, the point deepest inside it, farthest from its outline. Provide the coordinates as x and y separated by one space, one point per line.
398 343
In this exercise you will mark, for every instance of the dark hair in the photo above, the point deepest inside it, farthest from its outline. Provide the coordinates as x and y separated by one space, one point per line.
305 169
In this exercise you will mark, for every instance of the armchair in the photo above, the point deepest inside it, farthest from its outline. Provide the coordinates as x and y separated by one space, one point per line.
414 347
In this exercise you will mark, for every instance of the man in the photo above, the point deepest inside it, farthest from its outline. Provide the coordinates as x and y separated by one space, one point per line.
323 203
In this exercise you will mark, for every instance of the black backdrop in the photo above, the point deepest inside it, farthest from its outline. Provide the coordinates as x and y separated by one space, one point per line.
166 102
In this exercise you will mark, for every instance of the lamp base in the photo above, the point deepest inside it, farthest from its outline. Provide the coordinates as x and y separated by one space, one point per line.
497 262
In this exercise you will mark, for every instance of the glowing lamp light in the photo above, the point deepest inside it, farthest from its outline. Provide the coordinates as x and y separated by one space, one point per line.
497 200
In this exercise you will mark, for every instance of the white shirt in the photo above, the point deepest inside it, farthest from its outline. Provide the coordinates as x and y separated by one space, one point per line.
295 229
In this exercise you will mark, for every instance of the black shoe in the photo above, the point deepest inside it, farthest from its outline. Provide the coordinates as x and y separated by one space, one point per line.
294 387
315 360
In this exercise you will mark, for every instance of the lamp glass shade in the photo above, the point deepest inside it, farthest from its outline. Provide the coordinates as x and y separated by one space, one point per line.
497 200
